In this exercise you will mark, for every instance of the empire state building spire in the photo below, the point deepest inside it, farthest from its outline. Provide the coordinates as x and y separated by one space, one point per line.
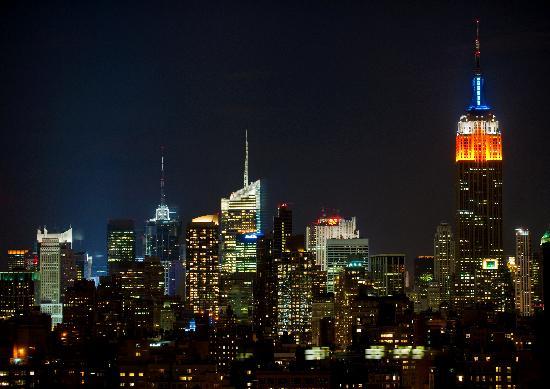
477 51
246 159
478 102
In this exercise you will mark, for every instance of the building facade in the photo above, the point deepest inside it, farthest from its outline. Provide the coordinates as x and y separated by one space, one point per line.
121 241
444 260
163 239
202 265
480 270
17 292
524 273
241 224
53 251
388 274
339 252
328 227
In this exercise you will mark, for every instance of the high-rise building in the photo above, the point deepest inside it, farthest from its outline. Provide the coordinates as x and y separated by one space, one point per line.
388 274
328 227
162 238
339 252
17 259
536 280
83 263
322 320
282 229
295 280
265 290
545 248
524 272
202 265
241 223
444 260
17 292
424 283
348 283
121 241
480 270
54 249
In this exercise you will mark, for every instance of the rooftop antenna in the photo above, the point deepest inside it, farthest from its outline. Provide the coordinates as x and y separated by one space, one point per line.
246 158
477 50
162 195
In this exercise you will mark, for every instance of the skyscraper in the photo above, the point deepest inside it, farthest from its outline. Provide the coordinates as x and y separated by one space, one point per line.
524 266
17 292
282 229
444 260
162 238
328 227
348 283
17 259
388 274
295 282
545 248
479 267
265 289
121 241
202 265
50 247
339 252
241 224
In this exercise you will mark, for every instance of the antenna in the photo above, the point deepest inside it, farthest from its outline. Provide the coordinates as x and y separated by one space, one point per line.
162 195
477 50
246 159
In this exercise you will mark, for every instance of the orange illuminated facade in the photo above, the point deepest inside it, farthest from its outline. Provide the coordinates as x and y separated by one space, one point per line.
478 146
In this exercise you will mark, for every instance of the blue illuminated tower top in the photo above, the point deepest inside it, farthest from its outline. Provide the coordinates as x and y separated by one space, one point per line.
478 103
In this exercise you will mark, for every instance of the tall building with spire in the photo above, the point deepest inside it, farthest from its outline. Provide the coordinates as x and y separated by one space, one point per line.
163 237
241 223
480 264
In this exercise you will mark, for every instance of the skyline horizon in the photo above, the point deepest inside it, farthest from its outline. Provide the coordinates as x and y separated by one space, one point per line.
367 127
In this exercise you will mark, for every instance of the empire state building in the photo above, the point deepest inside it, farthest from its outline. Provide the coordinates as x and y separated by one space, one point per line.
480 272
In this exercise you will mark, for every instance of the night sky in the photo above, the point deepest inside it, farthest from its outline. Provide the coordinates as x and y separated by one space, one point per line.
348 106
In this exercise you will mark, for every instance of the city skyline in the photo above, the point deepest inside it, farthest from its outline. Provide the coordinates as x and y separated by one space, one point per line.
384 231
334 140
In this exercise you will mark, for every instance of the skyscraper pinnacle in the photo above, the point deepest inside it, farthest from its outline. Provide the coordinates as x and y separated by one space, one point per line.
477 51
478 102
162 195
246 159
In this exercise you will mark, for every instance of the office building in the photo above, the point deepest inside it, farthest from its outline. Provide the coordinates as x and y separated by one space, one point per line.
55 252
202 265
388 274
339 252
265 290
282 229
480 266
295 279
241 224
349 283
121 241
524 273
163 238
17 259
328 227
444 260
17 292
